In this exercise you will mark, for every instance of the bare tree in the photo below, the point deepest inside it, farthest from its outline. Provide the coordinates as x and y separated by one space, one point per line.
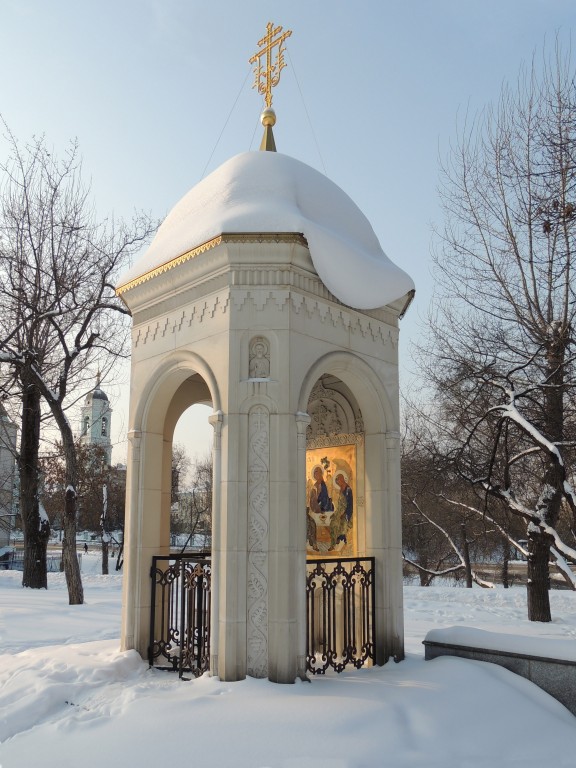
60 318
502 331
180 468
193 508
93 475
439 539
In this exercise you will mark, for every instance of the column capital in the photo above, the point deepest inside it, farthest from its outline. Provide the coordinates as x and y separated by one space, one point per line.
216 419
392 439
302 419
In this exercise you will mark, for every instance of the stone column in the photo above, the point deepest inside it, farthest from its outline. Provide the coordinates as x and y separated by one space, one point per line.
377 511
216 421
393 585
302 422
230 549
285 578
130 586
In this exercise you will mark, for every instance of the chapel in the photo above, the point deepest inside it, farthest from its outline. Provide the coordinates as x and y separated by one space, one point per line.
266 295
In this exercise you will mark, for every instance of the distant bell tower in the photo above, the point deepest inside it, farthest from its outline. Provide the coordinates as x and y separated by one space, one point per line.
96 419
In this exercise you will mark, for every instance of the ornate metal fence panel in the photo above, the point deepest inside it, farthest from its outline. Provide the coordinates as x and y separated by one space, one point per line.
340 614
180 613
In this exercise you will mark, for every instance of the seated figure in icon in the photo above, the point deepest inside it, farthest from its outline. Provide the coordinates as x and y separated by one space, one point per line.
341 521
319 509
319 500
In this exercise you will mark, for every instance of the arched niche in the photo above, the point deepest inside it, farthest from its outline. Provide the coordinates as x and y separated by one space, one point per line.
341 391
335 509
177 383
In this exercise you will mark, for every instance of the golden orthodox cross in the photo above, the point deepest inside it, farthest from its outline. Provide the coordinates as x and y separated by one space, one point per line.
267 76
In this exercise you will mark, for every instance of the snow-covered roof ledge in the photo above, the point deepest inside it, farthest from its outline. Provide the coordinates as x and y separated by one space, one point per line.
504 642
271 192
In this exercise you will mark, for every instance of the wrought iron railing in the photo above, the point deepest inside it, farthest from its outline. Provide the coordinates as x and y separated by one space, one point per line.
13 560
340 613
180 614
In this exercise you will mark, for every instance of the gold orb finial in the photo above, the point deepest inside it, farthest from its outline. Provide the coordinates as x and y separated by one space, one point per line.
268 117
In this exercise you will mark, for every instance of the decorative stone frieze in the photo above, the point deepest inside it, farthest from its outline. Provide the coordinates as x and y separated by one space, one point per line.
245 300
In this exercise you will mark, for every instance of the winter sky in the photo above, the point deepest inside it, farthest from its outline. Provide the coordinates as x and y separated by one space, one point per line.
158 94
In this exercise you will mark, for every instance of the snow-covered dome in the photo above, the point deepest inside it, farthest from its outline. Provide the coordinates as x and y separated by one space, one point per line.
96 394
271 192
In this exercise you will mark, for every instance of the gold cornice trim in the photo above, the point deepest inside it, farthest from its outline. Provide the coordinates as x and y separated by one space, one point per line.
240 237
169 265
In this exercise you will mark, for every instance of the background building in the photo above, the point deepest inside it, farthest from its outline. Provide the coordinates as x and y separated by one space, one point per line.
95 421
8 475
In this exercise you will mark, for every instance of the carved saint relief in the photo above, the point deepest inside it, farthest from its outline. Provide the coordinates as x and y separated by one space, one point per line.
259 365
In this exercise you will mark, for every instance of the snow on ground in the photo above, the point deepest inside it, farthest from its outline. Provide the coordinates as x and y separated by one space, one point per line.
69 697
